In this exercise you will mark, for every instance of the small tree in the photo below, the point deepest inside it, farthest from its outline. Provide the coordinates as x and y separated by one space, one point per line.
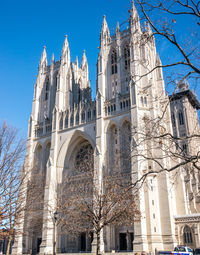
91 209
11 160
13 183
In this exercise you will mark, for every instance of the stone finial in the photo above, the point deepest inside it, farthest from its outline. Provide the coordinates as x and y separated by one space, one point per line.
43 60
117 28
84 60
65 48
52 59
104 29
76 61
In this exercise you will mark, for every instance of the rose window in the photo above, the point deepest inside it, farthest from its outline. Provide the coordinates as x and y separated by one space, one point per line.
84 160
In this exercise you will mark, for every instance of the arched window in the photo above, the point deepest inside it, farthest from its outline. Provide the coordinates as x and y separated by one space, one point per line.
145 101
89 115
47 91
173 120
83 117
187 235
127 57
114 61
113 149
79 94
77 118
181 119
61 123
72 120
66 120
142 101
84 160
125 138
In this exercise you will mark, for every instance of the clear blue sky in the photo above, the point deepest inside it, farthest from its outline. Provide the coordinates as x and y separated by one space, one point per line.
26 26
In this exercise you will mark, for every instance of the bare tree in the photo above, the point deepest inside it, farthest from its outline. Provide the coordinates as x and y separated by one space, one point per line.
11 161
13 183
155 140
90 208
164 18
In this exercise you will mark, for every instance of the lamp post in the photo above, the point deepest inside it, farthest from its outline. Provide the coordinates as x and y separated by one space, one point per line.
55 217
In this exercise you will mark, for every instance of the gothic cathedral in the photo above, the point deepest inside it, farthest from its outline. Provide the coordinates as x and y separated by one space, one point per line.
67 127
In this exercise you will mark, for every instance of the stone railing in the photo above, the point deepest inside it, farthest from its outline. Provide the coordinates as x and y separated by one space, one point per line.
117 105
78 115
43 128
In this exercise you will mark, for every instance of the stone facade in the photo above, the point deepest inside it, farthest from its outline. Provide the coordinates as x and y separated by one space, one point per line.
65 119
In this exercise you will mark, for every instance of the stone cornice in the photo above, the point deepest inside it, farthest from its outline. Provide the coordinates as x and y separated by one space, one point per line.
190 218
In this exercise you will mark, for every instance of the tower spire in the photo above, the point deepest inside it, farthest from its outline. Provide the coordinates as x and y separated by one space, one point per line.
133 8
134 22
65 56
117 28
105 33
52 59
158 61
84 64
76 62
84 60
43 60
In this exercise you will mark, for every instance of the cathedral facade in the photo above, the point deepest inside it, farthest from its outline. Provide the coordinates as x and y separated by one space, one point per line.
67 125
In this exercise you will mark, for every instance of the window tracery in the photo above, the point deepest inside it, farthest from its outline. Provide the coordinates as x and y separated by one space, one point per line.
187 235
47 91
181 119
126 57
84 161
114 61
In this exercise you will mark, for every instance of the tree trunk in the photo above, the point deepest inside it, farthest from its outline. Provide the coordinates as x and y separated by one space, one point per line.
8 246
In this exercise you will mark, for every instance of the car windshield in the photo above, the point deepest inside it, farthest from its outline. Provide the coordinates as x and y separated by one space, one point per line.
197 251
180 249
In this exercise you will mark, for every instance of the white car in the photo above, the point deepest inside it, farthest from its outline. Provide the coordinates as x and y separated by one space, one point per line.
183 249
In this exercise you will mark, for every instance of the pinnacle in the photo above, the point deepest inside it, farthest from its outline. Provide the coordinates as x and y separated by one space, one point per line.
118 28
52 58
65 47
84 59
104 27
44 56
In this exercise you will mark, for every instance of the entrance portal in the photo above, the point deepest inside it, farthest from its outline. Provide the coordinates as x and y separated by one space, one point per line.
83 242
39 241
122 242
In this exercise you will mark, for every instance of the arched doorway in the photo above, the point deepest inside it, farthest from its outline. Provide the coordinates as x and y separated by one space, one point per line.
77 177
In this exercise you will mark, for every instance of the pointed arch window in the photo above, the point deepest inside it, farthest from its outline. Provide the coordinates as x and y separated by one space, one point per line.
181 119
125 140
126 57
113 141
114 61
173 120
83 116
84 161
187 235
61 123
66 120
47 91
